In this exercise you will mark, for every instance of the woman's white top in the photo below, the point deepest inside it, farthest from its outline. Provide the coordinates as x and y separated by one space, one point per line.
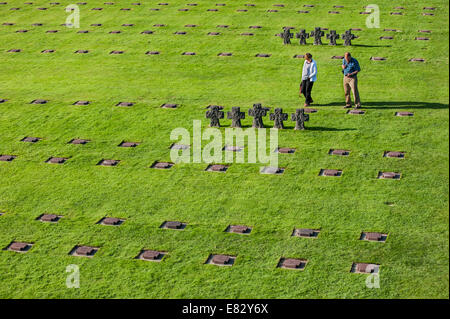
309 71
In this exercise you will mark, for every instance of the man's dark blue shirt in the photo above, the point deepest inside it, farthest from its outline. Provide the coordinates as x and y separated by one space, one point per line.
351 66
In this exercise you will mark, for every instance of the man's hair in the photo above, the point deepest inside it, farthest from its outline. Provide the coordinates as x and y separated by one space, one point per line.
308 55
349 54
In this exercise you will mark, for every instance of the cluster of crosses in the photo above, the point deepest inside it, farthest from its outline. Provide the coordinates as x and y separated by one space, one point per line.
317 34
257 112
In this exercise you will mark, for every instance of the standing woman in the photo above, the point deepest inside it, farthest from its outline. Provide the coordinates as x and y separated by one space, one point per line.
309 76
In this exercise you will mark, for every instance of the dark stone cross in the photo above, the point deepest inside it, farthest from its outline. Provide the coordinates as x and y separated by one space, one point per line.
302 35
300 118
317 34
332 36
348 37
258 112
278 117
236 116
214 114
287 36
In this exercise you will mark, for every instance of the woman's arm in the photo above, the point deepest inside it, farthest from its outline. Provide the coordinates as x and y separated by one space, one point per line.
313 70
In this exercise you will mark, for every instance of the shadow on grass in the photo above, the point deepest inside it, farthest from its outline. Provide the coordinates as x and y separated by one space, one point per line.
393 105
371 46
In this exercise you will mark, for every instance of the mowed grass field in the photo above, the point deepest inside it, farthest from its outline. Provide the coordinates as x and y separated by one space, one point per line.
413 211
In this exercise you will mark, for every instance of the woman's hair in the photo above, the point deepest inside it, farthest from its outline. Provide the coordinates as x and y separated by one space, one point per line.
309 56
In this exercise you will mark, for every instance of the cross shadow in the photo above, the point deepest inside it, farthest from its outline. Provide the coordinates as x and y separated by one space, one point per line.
329 129
393 105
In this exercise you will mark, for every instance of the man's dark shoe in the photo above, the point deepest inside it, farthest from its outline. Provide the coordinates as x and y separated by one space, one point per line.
347 107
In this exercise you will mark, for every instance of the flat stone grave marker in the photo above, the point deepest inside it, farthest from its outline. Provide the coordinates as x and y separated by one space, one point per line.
47 51
176 146
125 9
330 172
338 6
238 229
56 160
173 225
255 27
111 221
392 154
154 9
285 150
427 14
128 25
356 112
213 33
236 116
249 5
396 13
371 236
52 31
159 25
83 251
169 106
8 23
128 144
399 8
302 11
225 54
221 260
339 152
292 263
334 12
180 32
183 10
279 5
404 114
386 38
271 170
217 168
389 175
190 25
377 58
309 111
270 10
424 31
223 26
363 268
233 148
263 55
417 60
188 53
152 53
162 165
37 24
147 32
15 9
116 52
356 29
107 162
97 9
19 247
151 255
79 141
81 102
3 100
429 8
241 10
308 5
30 139
306 232
125 104
39 101
337 57
392 30
7 158
49 218
96 25
191 4
421 38
299 56
82 51
15 50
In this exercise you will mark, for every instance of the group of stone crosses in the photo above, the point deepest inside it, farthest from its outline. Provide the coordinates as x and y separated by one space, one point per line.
257 112
317 34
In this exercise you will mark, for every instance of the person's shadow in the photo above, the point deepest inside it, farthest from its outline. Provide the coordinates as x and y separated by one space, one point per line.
392 105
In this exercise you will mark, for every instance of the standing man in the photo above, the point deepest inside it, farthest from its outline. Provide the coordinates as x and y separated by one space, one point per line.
350 68
309 76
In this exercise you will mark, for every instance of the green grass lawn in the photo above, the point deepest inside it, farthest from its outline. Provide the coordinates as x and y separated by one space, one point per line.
414 261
